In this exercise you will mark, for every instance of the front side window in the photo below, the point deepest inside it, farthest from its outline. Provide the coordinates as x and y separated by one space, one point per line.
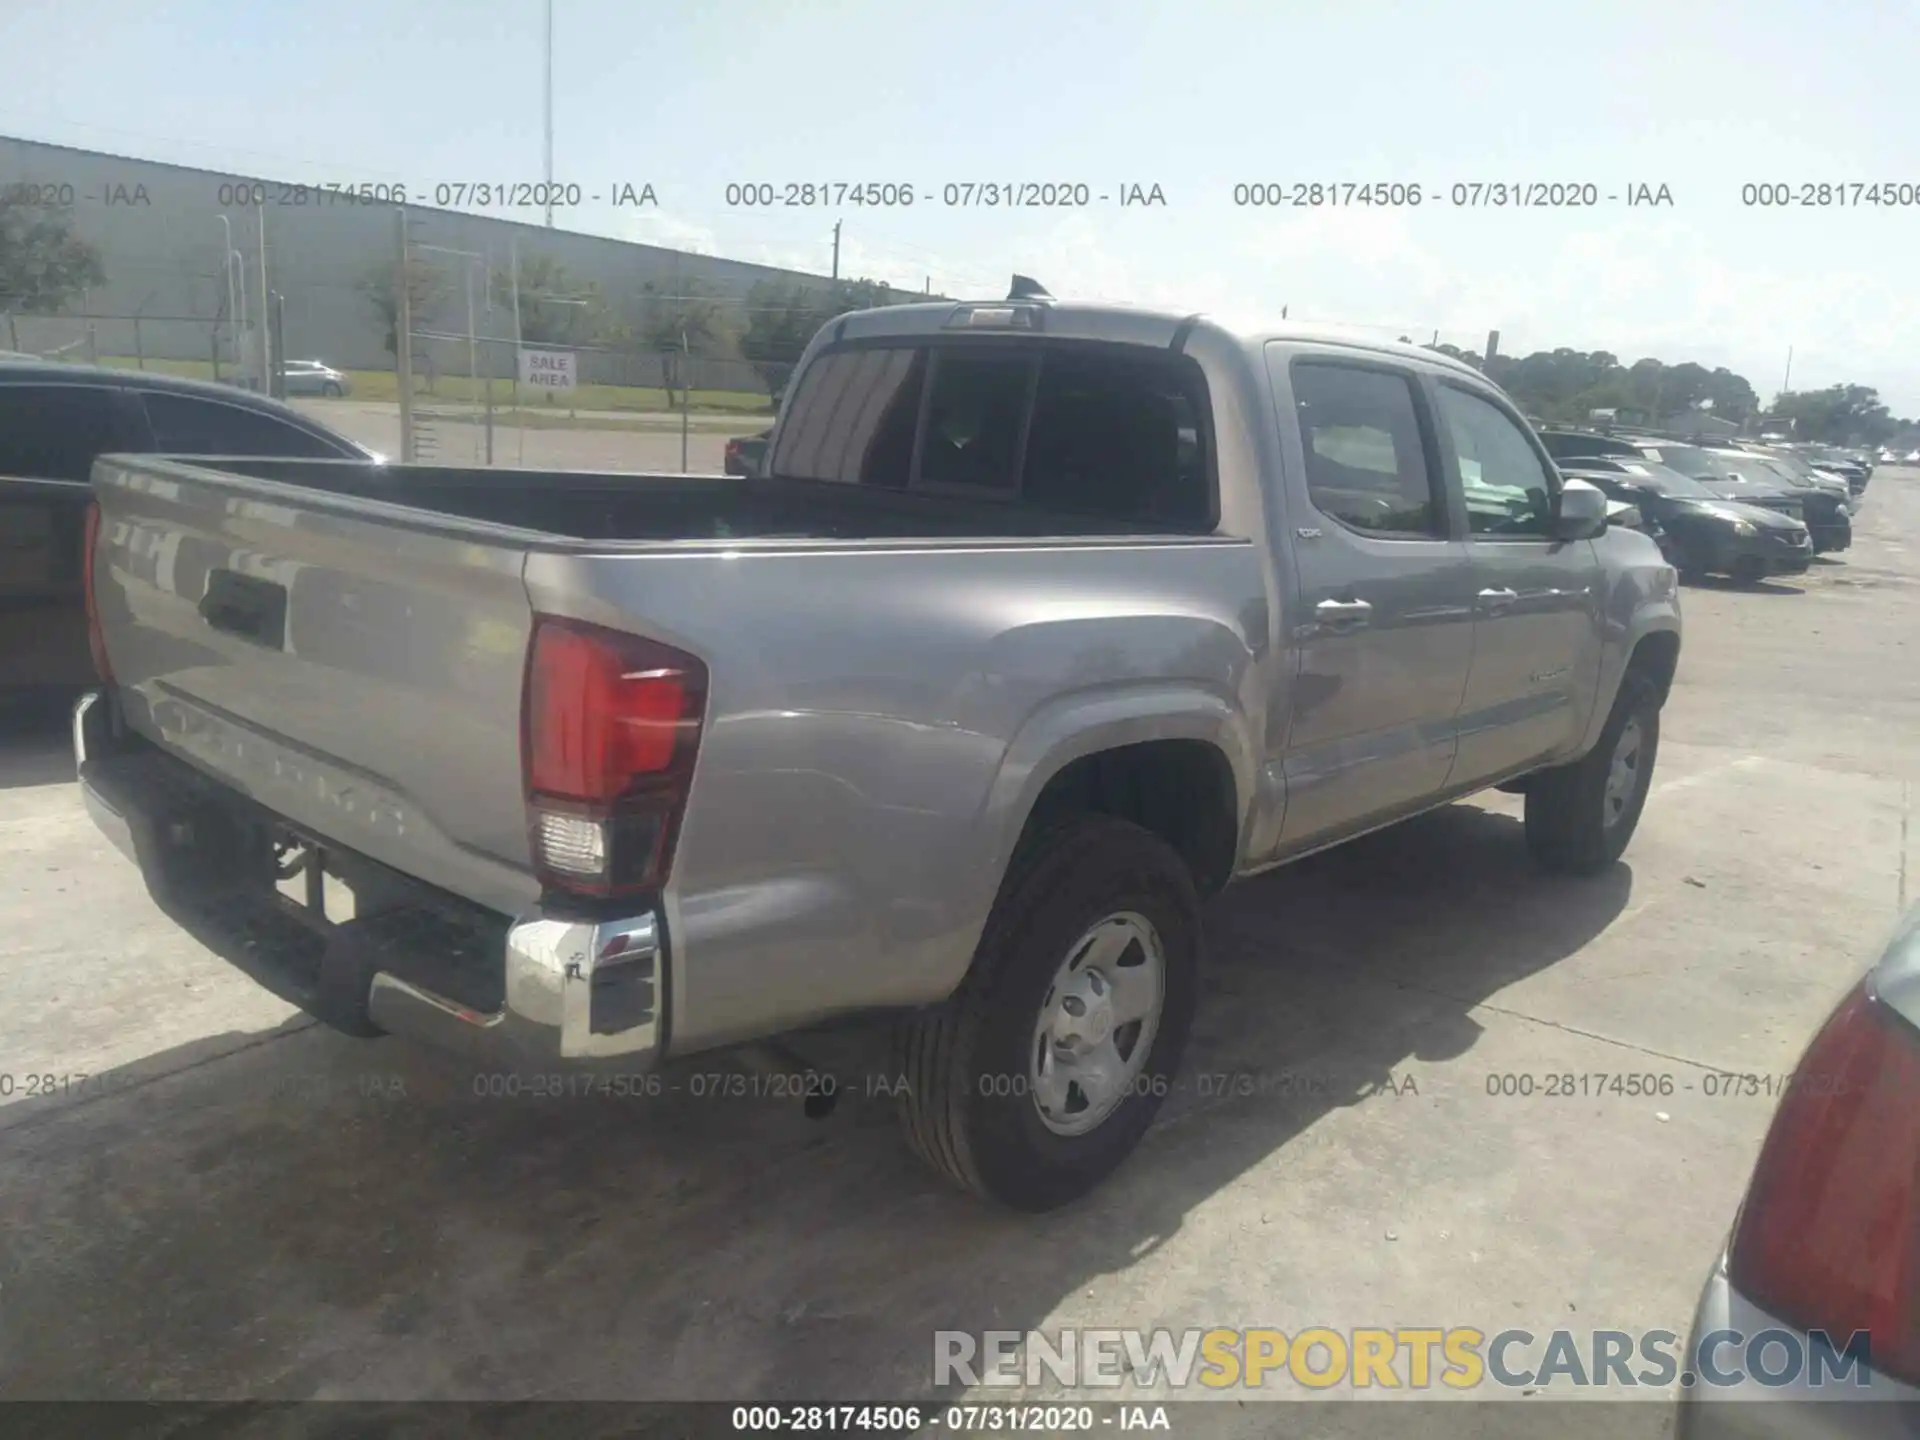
1507 488
1366 462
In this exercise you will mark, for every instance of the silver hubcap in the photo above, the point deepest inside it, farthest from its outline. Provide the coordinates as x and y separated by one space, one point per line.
1097 1023
1623 775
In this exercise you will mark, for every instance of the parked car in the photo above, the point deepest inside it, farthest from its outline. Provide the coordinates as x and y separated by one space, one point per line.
1703 534
1806 469
1827 504
55 421
1718 475
315 377
747 453
956 713
1827 1237
1856 471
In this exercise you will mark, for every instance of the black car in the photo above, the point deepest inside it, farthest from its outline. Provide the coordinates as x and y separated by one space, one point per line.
1699 533
1829 517
54 421
747 453
1854 469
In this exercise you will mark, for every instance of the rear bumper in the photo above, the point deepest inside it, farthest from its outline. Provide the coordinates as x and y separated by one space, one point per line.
580 992
1740 1405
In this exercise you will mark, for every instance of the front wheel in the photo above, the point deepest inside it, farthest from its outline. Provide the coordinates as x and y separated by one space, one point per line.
332 390
1581 816
1039 1076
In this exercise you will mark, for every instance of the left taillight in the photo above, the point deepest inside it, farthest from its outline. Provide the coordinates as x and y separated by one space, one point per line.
1829 1236
96 637
610 729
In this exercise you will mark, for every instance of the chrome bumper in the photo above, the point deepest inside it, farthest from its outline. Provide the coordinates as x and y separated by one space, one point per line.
556 972
92 726
584 994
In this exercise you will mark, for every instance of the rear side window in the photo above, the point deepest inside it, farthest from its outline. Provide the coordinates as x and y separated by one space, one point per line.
1366 460
185 425
852 419
1110 433
54 432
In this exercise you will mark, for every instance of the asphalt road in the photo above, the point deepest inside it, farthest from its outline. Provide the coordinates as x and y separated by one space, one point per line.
238 1204
449 440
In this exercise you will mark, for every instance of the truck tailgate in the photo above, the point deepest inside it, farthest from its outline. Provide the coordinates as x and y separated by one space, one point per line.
353 666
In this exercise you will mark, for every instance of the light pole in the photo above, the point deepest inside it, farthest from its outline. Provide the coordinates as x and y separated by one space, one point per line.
549 114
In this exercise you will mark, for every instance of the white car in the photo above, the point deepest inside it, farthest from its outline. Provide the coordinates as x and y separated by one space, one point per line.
315 377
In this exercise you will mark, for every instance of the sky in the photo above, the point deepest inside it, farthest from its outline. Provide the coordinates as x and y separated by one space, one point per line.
1195 97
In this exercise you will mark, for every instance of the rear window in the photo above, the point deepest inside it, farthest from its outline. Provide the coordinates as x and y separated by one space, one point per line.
1111 433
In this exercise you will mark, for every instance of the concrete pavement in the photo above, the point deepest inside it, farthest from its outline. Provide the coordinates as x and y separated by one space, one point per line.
238 1204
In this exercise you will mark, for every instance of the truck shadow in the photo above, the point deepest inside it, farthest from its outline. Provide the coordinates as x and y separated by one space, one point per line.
301 1215
36 746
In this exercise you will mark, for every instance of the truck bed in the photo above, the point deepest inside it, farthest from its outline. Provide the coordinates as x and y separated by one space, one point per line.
592 506
886 675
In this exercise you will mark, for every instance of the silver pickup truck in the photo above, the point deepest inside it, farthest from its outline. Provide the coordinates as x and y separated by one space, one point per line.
1043 622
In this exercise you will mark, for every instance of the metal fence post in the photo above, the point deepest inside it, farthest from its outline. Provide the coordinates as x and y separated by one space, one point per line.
403 336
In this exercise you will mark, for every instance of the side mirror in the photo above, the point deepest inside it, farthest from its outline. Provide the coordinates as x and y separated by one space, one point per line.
1581 512
1627 516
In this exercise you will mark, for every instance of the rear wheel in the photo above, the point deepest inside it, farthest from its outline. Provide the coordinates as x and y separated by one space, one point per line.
1581 816
1039 1076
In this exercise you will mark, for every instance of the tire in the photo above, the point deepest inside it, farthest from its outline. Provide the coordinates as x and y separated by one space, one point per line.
971 1106
1575 824
1748 571
331 390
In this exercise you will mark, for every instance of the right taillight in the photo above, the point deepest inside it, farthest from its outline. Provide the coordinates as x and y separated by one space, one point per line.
610 730
96 637
1829 1236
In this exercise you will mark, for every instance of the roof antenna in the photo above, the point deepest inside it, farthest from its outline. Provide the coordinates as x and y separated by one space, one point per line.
1025 287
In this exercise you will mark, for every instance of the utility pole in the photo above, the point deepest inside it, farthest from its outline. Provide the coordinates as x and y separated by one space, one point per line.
266 311
1786 384
836 249
403 336
549 114
1493 347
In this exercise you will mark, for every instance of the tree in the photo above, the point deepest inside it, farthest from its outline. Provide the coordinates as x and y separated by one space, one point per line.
782 319
1565 385
555 309
429 287
44 262
678 314
1838 415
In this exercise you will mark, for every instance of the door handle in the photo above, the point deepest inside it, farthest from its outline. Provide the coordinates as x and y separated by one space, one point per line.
1343 614
1498 599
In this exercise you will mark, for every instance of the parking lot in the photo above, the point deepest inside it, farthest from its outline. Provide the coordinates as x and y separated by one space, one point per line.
235 1203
